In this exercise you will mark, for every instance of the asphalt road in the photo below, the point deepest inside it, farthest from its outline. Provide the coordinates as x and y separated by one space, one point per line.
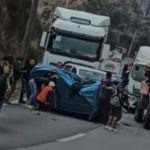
131 136
19 127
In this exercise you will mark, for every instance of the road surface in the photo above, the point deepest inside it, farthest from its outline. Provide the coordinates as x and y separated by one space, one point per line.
21 129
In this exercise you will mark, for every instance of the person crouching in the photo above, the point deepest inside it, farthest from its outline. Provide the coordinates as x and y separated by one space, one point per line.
42 97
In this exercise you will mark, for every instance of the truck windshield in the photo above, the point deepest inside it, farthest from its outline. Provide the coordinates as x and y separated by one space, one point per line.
75 47
138 73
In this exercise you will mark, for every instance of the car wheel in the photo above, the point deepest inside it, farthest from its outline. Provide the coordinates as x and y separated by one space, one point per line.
52 100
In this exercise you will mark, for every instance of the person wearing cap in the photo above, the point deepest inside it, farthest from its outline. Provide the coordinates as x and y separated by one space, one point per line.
35 86
42 97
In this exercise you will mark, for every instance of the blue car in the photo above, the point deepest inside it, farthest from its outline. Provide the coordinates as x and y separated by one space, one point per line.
72 95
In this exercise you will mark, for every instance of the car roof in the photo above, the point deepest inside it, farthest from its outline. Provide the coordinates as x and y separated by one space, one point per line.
85 68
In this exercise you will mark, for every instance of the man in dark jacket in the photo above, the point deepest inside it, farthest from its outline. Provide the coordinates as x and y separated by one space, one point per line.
7 69
25 79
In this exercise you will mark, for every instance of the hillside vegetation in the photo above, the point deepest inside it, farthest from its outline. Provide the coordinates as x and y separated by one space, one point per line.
128 17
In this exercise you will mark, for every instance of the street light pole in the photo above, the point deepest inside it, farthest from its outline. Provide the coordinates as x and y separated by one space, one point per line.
131 45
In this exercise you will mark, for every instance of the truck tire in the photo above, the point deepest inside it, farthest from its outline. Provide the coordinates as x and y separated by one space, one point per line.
146 123
138 116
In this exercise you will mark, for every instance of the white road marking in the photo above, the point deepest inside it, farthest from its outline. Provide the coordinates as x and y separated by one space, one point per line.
71 138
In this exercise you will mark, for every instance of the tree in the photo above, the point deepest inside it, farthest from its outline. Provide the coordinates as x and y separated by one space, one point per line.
29 29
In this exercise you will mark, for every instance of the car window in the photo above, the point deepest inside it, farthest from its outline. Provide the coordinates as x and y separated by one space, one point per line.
91 75
138 73
74 70
68 68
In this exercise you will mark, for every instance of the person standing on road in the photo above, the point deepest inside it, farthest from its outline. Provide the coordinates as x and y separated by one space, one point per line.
17 72
25 79
7 69
117 101
125 74
106 91
145 89
103 100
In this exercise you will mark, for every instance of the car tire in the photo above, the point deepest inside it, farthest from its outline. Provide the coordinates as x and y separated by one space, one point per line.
52 101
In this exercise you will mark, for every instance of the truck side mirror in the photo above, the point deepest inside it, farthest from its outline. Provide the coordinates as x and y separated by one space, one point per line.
43 39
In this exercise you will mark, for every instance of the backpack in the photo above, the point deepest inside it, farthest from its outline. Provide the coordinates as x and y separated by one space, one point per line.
115 101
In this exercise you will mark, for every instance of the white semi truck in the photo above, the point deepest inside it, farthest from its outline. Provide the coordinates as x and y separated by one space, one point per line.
137 73
75 36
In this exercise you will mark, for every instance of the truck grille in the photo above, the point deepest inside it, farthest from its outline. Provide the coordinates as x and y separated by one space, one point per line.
136 92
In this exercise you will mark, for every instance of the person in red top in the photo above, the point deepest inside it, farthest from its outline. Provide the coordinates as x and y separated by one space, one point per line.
43 95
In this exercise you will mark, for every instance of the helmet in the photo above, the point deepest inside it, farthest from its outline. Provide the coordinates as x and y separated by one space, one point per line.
52 84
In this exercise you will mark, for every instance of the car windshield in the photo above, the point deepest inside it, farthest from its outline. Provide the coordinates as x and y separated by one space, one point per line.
73 47
91 75
138 72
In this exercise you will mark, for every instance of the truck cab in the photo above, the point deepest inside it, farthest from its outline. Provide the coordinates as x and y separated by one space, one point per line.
137 72
136 77
75 36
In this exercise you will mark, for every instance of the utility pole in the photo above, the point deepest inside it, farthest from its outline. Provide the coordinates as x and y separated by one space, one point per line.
147 10
131 44
28 30
67 2
57 2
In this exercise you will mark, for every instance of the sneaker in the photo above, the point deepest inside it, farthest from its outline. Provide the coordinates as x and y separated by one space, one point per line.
29 106
107 127
110 128
114 130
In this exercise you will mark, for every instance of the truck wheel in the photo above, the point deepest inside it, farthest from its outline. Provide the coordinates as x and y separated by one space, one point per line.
138 116
146 123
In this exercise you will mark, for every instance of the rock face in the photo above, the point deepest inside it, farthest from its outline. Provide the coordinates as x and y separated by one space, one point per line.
127 17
